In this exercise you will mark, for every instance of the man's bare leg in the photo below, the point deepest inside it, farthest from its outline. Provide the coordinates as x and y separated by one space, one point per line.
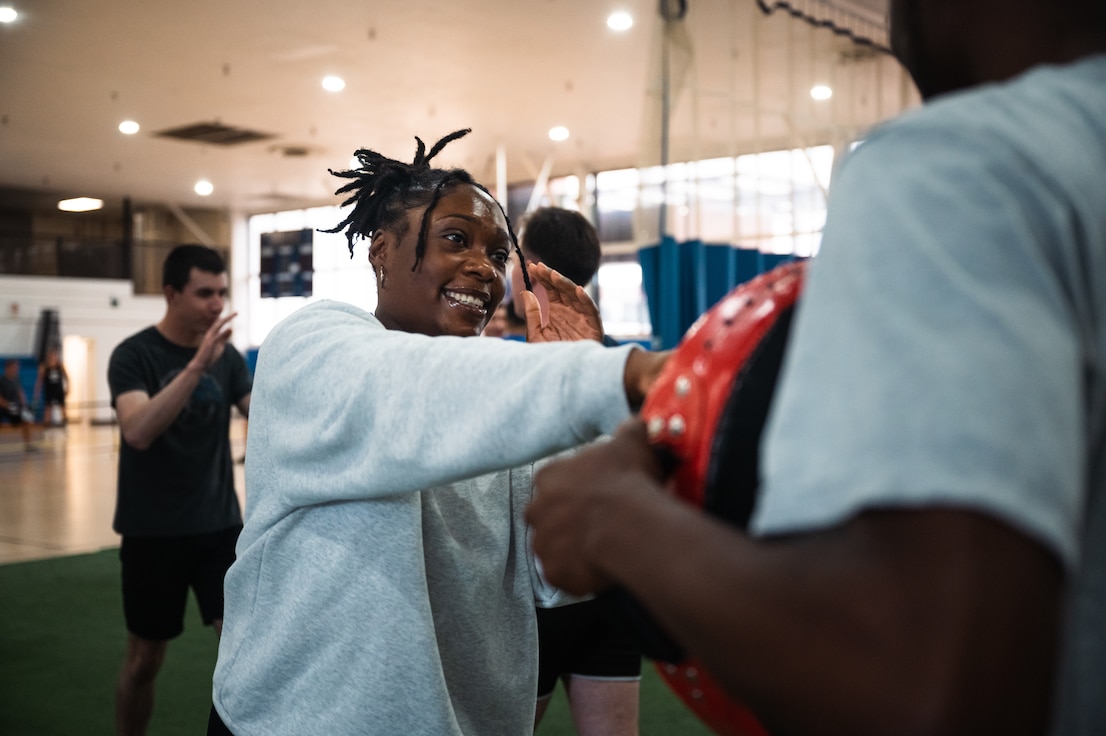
603 707
134 693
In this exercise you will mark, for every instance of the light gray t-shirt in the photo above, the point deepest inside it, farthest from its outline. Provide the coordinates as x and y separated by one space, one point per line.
950 345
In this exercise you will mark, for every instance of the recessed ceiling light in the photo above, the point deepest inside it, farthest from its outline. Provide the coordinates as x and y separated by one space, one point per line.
128 127
203 187
821 92
620 21
80 204
558 133
334 84
8 14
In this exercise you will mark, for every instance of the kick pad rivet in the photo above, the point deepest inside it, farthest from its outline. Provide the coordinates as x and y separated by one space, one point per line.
683 386
656 426
676 425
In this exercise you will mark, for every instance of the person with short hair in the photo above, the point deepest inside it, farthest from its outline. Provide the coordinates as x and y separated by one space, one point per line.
173 386
927 554
581 644
558 235
52 385
384 582
14 408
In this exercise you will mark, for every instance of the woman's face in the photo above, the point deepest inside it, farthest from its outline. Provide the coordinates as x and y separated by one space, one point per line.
462 276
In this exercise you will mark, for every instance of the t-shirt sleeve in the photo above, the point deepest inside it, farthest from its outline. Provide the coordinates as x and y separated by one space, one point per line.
124 371
934 359
241 380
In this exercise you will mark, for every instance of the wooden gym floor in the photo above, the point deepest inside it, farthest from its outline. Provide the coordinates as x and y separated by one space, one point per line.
59 500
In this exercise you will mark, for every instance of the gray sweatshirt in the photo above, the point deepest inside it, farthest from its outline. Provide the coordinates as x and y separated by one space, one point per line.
384 582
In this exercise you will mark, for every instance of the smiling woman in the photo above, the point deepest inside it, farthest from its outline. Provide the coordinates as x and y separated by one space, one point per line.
462 277
414 205
384 579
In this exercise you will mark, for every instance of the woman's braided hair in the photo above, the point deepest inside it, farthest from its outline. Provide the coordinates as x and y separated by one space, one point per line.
385 190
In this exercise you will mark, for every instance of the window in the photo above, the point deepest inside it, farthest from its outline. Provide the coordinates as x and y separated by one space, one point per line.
774 202
621 298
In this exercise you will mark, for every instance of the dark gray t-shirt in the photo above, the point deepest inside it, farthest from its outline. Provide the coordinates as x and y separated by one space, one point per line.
183 483
9 391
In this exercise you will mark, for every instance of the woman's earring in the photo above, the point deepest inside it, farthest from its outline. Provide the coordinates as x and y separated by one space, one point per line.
383 278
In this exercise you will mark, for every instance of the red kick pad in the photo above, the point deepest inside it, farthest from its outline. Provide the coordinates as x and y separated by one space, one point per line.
706 410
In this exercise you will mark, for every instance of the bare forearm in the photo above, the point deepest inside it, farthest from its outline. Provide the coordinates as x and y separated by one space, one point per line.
906 622
842 632
143 424
761 626
642 369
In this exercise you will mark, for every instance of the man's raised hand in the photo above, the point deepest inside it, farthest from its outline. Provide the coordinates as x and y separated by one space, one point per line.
215 340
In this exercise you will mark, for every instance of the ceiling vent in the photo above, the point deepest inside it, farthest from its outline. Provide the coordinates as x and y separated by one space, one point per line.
293 150
214 133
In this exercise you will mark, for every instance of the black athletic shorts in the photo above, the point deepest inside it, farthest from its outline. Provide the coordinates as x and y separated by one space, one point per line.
158 571
215 725
14 417
582 640
53 393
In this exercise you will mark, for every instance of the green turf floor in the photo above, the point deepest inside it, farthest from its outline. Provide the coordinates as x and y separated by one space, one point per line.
62 639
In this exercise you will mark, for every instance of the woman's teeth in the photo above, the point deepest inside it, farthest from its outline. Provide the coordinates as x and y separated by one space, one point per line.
465 299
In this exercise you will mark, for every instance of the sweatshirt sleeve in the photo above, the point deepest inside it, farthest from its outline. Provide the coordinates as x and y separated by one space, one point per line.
344 409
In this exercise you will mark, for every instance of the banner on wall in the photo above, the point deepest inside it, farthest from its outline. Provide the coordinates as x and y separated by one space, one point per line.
286 263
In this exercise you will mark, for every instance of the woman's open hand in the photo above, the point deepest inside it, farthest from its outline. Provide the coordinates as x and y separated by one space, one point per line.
572 315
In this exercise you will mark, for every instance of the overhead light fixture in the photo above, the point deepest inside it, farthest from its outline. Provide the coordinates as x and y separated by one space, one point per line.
80 204
620 21
8 14
334 84
558 133
128 127
203 187
821 92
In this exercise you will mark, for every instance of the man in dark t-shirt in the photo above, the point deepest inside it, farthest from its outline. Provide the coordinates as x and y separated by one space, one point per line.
172 386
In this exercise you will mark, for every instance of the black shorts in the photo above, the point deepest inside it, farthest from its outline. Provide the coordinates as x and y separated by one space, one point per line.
215 725
582 640
15 418
158 571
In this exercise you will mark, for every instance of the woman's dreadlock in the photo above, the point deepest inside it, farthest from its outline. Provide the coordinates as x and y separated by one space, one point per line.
384 190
